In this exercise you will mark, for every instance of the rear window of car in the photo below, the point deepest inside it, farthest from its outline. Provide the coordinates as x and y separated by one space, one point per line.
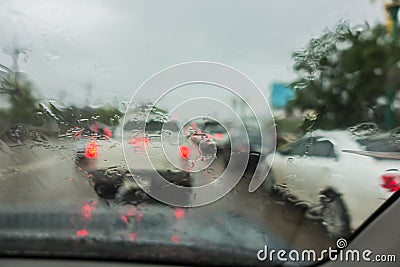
312 146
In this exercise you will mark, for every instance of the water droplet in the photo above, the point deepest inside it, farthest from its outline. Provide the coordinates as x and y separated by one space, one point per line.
300 86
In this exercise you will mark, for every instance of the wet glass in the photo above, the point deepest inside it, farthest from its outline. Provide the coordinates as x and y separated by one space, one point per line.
79 152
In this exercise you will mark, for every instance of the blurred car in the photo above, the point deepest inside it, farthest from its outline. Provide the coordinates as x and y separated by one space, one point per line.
254 135
342 189
214 131
258 148
85 140
102 157
211 134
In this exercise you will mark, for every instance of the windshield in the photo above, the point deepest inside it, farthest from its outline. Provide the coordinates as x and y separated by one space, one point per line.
195 132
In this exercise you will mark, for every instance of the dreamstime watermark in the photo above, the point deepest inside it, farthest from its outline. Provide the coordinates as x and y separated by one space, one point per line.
332 254
164 83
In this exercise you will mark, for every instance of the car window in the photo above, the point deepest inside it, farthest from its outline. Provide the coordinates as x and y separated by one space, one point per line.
154 126
195 132
298 149
323 148
214 128
312 146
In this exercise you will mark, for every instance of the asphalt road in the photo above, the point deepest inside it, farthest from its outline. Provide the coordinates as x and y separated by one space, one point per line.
41 174
43 178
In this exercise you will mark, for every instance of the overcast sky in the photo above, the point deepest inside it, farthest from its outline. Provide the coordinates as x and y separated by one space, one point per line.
114 46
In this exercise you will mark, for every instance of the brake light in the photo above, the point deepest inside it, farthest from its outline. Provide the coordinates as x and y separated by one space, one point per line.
107 132
179 213
184 152
87 210
391 181
91 150
82 232
175 238
124 218
132 236
218 136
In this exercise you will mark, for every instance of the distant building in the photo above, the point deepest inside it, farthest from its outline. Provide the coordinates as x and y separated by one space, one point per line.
280 95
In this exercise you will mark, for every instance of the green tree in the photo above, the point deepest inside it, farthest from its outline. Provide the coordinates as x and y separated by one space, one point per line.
109 116
19 94
343 73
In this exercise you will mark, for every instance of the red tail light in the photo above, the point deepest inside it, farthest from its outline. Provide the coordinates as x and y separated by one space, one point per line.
91 150
184 152
82 232
391 181
218 136
179 213
107 132
175 238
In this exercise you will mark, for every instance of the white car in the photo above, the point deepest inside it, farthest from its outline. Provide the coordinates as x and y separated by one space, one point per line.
340 188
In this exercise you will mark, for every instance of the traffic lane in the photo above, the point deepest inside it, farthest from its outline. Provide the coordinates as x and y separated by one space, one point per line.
283 218
42 174
278 215
49 177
